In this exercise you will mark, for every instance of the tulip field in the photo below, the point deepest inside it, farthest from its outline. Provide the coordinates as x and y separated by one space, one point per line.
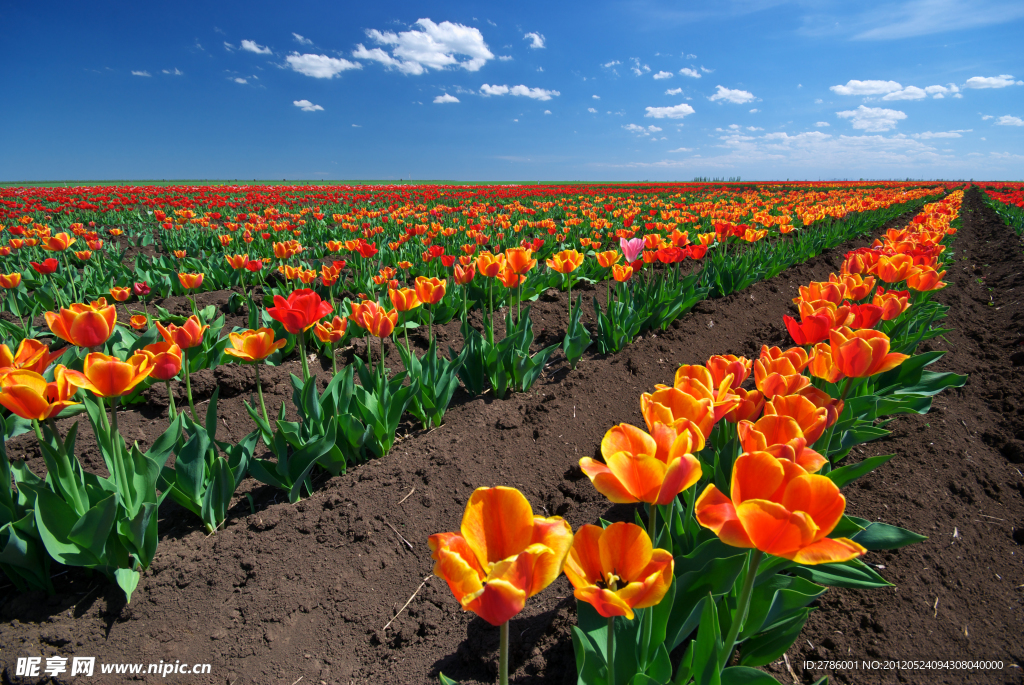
600 434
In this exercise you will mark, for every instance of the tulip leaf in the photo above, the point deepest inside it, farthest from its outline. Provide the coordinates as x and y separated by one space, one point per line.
849 574
848 526
847 474
775 600
879 535
218 494
127 580
768 646
590 665
55 520
659 670
743 675
707 648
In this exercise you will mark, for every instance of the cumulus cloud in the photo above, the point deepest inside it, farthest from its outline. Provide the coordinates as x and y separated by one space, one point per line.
536 39
928 135
855 87
141 73
1007 120
174 72
253 46
822 124
591 110
487 89
505 58
675 112
872 119
642 131
754 111
609 65
319 66
239 79
307 106
432 46
1001 81
547 111
737 97
692 73
596 97
908 93
663 74
939 92
673 91
302 40
441 99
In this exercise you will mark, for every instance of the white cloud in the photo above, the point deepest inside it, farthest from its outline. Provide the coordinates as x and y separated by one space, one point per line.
540 68
637 68
441 99
547 111
533 93
754 111
505 58
986 117
141 73
174 72
596 97
705 69
689 56
928 135
356 126
433 46
609 65
673 91
855 87
908 93
682 149
640 130
307 106
239 79
591 110
663 74
676 112
1007 120
1001 81
319 66
493 90
302 40
737 97
873 119
253 46
692 73
940 92
822 124
754 128
537 40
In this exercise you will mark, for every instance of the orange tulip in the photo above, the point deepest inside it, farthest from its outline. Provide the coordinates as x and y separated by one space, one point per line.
28 395
857 287
84 325
864 316
781 437
895 268
924 280
679 410
375 319
518 260
254 346
808 416
859 354
186 336
778 508
622 273
332 333
8 281
404 299
722 365
892 302
430 290
32 355
616 569
307 276
509 278
749 408
819 398
565 262
637 469
107 376
58 243
300 311
502 555
779 376
84 255
139 322
697 381
120 293
823 365
190 281
167 359
237 261
490 265
822 290
464 276
608 259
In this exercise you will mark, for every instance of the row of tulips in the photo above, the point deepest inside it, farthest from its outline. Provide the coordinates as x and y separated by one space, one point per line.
345 423
742 523
1008 203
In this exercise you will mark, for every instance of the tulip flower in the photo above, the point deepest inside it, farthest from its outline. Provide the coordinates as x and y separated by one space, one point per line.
822 364
565 262
622 273
779 373
139 322
404 299
679 410
616 569
48 266
26 393
120 293
608 259
749 408
502 555
856 286
58 243
895 268
892 302
519 260
186 336
860 354
924 280
819 398
631 249
331 335
782 437
237 261
32 355
637 470
167 362
697 381
774 507
10 281
430 291
864 316
822 290
722 365
190 281
253 346
810 330
107 376
84 325
299 313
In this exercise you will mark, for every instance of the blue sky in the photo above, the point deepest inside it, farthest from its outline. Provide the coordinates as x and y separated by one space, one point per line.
601 91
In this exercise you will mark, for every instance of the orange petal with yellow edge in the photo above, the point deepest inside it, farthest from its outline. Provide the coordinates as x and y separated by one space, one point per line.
756 475
555 534
774 529
827 551
819 498
716 511
496 602
605 602
624 550
683 471
583 564
652 583
462 578
497 523
627 438
606 482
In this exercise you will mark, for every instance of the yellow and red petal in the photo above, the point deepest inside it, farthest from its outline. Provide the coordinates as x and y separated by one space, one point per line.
606 482
827 551
496 602
756 475
652 583
684 470
819 498
555 534
604 601
497 523
641 475
773 528
583 564
624 550
627 438
716 511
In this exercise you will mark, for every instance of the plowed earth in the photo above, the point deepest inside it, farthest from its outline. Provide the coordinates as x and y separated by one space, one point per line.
285 591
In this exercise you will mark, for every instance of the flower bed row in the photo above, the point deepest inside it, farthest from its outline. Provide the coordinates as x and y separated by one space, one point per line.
722 469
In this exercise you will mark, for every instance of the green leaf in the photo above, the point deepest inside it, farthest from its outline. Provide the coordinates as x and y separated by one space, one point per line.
218 494
128 580
848 574
742 675
707 648
883 536
768 646
848 474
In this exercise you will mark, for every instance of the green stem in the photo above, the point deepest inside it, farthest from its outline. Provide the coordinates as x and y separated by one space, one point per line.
334 360
430 325
742 606
302 354
188 384
503 656
382 375
488 323
652 524
259 392
116 446
113 412
172 411
610 650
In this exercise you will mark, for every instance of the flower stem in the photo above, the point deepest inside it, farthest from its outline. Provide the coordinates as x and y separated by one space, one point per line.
302 354
188 385
503 656
742 606
113 412
172 411
334 360
259 391
610 650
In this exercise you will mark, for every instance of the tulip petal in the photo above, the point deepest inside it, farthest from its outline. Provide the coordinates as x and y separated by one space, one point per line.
554 534
819 498
625 551
627 438
604 601
716 511
497 524
496 602
640 474
652 583
774 529
827 551
606 482
583 564
683 471
756 475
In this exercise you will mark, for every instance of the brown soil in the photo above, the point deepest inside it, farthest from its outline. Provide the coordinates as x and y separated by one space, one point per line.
288 591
